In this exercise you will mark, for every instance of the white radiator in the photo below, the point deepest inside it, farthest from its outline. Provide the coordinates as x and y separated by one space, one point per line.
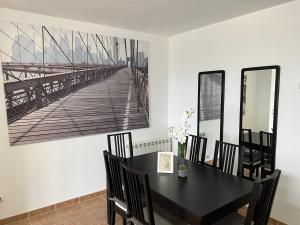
155 145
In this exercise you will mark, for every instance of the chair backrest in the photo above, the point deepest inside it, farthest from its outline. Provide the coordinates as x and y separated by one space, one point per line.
262 199
195 145
247 142
117 144
114 178
247 136
137 188
225 155
266 147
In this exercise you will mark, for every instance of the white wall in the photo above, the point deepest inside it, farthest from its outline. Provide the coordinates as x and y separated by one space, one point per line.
37 175
263 38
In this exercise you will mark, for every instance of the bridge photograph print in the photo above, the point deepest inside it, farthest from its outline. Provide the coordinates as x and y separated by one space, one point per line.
63 83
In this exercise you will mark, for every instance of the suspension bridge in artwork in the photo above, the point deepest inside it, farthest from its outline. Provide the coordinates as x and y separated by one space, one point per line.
63 84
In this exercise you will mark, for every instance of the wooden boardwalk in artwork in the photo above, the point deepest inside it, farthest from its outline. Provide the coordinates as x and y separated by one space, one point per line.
106 106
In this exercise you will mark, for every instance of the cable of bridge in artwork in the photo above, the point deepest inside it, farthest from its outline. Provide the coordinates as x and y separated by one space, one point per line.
86 47
43 27
95 41
105 50
18 43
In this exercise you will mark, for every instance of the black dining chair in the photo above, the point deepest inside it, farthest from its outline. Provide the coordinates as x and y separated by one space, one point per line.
252 158
115 193
267 153
196 148
260 204
225 157
139 203
117 144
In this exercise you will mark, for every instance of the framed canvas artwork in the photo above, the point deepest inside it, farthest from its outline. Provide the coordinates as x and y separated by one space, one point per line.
66 83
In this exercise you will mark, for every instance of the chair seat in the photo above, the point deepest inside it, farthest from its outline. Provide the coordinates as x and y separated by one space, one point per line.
256 159
232 219
119 204
267 166
254 152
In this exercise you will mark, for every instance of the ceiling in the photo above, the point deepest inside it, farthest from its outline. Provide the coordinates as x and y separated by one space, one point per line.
163 17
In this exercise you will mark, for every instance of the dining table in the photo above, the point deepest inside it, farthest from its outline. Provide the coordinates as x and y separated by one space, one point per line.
203 197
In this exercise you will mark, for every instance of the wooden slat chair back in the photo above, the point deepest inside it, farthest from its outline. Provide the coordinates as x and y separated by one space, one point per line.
262 199
225 157
115 198
196 148
117 144
137 188
267 153
247 135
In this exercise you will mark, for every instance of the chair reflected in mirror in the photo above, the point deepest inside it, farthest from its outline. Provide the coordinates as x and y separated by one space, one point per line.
267 153
252 157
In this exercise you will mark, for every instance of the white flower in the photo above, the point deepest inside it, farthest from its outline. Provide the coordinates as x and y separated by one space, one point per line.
183 128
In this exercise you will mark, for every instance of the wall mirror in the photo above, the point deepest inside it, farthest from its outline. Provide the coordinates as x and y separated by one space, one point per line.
258 115
211 87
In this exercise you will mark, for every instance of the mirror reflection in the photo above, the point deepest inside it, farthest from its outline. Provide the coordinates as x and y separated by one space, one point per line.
210 107
257 129
258 106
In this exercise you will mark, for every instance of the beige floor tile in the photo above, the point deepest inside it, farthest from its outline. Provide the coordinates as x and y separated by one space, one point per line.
51 218
83 220
72 212
20 222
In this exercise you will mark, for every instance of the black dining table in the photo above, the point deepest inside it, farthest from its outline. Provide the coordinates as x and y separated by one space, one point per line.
204 197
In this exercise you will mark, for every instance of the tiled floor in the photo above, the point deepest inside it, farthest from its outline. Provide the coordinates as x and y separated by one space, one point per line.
90 212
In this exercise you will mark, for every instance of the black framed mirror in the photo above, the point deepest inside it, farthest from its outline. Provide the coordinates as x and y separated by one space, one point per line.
210 113
258 116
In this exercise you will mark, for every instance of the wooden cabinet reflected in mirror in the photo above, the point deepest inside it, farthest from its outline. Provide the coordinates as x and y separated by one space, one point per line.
211 87
258 118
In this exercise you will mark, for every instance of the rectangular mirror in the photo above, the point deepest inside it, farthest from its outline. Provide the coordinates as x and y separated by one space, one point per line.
258 117
211 87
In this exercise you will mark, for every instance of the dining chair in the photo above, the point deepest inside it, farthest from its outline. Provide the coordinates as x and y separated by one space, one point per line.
139 203
225 157
117 144
115 193
252 158
195 145
260 205
267 153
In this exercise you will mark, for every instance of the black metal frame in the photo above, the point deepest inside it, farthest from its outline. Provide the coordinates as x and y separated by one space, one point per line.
276 100
222 72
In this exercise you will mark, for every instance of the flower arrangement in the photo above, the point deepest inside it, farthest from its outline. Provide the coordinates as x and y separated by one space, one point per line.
181 133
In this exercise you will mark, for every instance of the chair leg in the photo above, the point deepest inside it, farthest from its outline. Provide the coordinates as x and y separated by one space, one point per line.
108 210
251 172
112 215
257 172
124 221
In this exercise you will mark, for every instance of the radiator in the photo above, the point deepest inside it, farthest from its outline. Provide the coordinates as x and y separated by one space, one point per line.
155 145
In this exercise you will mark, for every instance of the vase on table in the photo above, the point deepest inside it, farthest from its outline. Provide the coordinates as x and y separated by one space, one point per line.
182 163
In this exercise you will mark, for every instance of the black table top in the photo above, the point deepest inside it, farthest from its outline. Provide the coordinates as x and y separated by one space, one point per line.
203 197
